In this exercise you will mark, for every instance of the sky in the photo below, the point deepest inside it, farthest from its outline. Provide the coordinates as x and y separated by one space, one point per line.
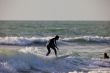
55 10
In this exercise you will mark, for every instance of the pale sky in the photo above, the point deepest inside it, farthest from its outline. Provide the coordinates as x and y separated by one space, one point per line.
55 10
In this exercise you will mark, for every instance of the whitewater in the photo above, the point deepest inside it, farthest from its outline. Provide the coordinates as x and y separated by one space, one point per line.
27 55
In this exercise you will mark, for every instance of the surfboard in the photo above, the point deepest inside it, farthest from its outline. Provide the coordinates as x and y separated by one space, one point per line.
61 57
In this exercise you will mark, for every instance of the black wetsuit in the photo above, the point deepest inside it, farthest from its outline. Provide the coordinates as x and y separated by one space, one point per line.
51 44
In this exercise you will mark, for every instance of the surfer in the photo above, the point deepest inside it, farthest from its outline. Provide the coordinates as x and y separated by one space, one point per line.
106 56
52 44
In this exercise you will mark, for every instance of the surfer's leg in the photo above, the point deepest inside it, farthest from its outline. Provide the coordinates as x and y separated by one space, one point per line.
48 48
55 51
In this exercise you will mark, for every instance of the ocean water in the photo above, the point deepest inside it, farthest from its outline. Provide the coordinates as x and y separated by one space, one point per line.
81 46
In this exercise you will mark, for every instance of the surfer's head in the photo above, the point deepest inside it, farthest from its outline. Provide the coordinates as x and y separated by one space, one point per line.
56 37
105 55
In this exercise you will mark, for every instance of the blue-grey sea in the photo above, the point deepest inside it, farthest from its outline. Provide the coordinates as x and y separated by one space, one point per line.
82 45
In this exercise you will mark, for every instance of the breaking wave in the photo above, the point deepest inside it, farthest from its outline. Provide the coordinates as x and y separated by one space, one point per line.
43 40
27 59
89 39
22 40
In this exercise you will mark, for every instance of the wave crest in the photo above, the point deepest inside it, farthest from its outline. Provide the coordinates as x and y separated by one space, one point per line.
22 41
89 39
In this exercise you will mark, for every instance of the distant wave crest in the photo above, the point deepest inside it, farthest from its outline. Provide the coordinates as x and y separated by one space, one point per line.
89 39
22 41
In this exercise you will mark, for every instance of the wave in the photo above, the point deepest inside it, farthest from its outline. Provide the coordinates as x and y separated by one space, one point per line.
27 59
89 39
22 41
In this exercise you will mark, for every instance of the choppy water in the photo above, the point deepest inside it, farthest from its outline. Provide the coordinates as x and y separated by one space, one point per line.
49 28
81 44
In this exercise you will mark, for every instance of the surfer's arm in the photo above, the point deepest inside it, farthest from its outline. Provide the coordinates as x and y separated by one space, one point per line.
57 48
56 45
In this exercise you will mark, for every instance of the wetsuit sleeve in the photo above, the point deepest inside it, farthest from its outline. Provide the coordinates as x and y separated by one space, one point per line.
55 44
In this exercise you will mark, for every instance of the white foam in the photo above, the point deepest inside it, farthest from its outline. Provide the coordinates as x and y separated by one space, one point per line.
94 71
6 68
22 40
42 40
100 39
32 50
28 58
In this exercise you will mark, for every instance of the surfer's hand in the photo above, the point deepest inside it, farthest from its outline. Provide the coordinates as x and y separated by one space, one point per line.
57 48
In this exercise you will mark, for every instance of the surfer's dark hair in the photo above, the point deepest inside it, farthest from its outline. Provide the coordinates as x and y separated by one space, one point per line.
57 37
